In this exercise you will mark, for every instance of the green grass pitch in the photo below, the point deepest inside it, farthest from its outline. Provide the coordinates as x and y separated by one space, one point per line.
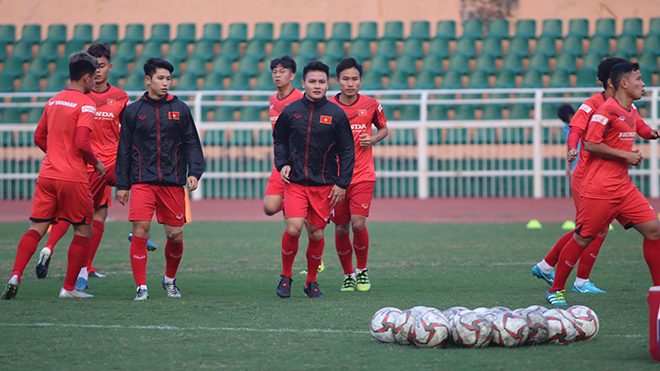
230 317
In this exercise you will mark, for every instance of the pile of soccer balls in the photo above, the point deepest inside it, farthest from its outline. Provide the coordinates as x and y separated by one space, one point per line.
499 326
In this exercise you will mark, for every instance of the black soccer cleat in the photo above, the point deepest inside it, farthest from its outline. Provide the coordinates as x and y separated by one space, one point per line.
312 291
284 288
42 266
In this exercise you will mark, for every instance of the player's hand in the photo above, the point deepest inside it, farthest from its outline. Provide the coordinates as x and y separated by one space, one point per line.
122 196
337 195
98 166
655 134
192 183
285 173
571 155
635 157
366 140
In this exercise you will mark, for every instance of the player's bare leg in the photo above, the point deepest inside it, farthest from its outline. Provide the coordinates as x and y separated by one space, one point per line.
361 247
173 255
26 248
272 204
141 230
651 232
77 259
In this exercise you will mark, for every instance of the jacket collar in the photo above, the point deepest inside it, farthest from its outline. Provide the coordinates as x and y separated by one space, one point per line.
318 104
168 98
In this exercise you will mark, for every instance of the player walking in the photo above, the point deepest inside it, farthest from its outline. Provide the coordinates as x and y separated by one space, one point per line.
159 152
362 113
315 155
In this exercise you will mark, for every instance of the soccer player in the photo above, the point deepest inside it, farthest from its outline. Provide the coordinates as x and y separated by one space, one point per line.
315 155
62 192
362 113
110 103
159 152
607 191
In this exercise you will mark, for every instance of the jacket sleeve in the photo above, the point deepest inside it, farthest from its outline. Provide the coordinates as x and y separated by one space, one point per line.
345 151
123 166
281 150
192 146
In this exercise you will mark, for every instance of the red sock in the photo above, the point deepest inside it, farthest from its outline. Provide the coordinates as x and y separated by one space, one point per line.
652 257
588 258
553 255
77 259
567 259
139 260
57 231
26 249
97 235
345 252
289 251
314 257
361 246
173 254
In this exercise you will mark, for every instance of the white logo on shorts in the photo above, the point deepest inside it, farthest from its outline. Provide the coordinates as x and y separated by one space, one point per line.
179 216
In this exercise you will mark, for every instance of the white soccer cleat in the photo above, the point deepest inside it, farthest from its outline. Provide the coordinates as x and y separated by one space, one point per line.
142 294
171 288
11 289
74 294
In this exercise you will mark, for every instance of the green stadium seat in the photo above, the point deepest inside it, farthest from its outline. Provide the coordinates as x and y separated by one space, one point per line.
525 28
120 67
512 63
492 112
7 33
212 32
459 63
238 32
214 81
300 64
195 67
49 51
549 112
420 30
393 31
56 33
439 47
425 80
265 81
152 49
223 65
281 48
632 27
61 66
250 114
466 47
387 48
413 48
438 113
566 62
12 115
160 32
648 61
478 80
34 115
14 67
572 45
560 79
367 31
113 79
398 80
452 80
230 48
256 49
652 44
109 33
605 27
82 33
654 27
22 51
177 51
186 32
248 66
590 61
492 47
505 80
239 82
134 33
330 62
372 81
552 28
290 31
519 112
3 52
341 31
39 67
599 45
498 28
446 30
485 63
532 79
546 45
315 31
309 49
406 64
473 29
6 83
31 34
519 46
335 49
125 50
223 114
578 28
263 31
135 82
626 45
410 113
433 64
360 50
29 83
464 112
586 77
187 81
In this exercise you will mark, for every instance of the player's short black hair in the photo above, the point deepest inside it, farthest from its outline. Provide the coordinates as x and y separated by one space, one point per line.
620 71
80 64
316 66
348 63
565 112
605 68
155 63
99 50
285 62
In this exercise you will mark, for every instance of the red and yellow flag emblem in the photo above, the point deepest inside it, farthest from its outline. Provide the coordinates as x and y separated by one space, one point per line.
174 115
326 120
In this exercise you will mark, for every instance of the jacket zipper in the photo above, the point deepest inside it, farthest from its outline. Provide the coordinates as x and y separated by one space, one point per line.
160 174
309 133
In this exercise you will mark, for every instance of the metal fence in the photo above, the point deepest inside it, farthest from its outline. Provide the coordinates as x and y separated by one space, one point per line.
432 150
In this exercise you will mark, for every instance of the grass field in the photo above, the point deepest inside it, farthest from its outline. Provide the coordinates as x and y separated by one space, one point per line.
230 317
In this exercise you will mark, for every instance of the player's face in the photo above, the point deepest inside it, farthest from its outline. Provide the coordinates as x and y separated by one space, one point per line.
315 85
282 77
159 83
105 67
635 85
349 82
89 81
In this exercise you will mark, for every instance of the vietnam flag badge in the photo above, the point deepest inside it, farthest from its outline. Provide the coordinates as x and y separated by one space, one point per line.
326 120
173 115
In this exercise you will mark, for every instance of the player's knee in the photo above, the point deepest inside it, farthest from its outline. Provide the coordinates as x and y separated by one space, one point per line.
341 229
582 241
175 237
358 224
140 231
316 234
294 230
268 210
604 233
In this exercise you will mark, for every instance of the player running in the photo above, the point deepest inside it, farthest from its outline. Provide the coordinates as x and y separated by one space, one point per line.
362 113
62 192
159 152
607 191
315 155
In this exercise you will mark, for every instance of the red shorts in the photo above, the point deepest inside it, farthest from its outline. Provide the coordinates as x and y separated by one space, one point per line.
62 200
357 202
576 188
275 185
169 203
102 187
311 203
595 215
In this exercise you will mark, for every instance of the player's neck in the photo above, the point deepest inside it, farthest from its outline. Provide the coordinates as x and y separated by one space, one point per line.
346 100
153 96
100 88
608 93
284 91
624 100
76 86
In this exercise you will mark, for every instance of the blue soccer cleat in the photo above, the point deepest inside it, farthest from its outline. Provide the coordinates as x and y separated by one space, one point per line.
587 288
150 245
547 277
556 298
81 284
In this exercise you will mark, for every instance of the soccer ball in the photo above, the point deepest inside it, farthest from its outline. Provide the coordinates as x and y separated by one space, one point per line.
500 309
519 311
470 330
561 326
538 326
537 308
431 329
509 330
382 324
481 310
586 322
402 325
420 309
451 312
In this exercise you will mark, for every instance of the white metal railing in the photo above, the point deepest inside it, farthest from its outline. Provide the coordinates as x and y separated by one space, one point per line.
422 158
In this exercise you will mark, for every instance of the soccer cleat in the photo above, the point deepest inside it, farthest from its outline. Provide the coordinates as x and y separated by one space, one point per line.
320 270
96 274
349 283
44 261
11 289
547 277
556 298
171 288
81 284
284 288
587 288
74 294
150 245
362 278
142 294
312 291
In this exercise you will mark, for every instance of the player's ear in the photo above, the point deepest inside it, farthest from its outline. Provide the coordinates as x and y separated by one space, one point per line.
293 76
110 67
